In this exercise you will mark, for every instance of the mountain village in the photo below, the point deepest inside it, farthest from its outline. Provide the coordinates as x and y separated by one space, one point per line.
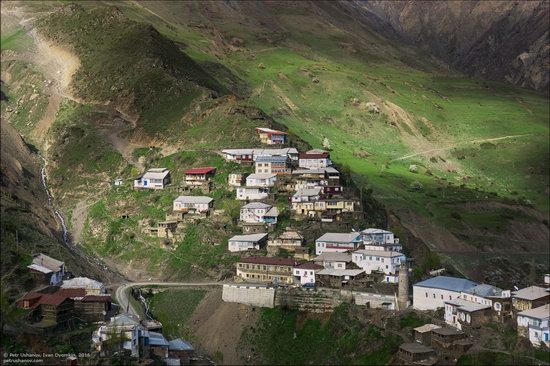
276 268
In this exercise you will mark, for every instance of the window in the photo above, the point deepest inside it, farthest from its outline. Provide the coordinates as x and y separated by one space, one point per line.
441 297
434 296
426 294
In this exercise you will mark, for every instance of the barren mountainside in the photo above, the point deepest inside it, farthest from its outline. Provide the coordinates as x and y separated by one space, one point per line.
498 40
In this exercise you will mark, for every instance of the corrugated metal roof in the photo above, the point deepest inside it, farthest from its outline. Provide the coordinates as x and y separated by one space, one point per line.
380 253
47 262
249 238
333 257
340 272
447 283
468 306
194 199
340 237
542 312
272 131
308 192
271 159
531 293
269 261
484 290
202 170
257 205
179 344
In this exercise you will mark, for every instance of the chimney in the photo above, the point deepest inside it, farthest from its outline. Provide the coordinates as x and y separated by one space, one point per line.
403 291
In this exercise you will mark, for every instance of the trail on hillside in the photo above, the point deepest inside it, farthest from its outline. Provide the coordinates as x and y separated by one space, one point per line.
458 145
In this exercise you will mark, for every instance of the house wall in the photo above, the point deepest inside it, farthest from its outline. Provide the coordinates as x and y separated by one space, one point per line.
265 273
313 163
249 295
521 304
376 263
434 298
331 247
247 193
305 275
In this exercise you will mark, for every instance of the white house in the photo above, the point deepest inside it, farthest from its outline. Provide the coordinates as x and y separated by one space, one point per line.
258 212
239 243
47 269
378 239
155 178
252 193
127 329
307 195
336 260
194 204
304 273
314 159
379 261
337 242
431 293
533 324
92 287
249 155
261 180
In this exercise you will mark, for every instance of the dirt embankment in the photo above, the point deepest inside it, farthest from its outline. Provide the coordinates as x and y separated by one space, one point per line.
218 326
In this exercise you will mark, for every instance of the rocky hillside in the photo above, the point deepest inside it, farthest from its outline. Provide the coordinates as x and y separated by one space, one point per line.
29 223
498 40
459 165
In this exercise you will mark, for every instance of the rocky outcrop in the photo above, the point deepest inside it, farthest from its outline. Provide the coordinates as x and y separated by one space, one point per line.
499 40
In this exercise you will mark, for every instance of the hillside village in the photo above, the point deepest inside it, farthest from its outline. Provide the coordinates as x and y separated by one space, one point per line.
274 266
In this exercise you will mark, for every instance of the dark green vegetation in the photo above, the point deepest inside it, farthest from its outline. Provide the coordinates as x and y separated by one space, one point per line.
501 358
340 339
173 308
129 63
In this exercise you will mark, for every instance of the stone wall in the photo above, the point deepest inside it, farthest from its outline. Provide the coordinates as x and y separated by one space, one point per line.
252 294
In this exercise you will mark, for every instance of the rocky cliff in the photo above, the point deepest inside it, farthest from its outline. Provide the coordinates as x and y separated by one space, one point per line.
499 40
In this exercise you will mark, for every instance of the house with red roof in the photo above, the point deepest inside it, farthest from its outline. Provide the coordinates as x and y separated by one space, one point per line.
269 136
55 306
202 177
266 270
314 159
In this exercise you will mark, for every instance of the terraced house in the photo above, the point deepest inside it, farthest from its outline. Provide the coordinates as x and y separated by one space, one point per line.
155 178
272 165
200 178
198 205
382 261
378 239
266 270
314 159
337 242
269 136
257 216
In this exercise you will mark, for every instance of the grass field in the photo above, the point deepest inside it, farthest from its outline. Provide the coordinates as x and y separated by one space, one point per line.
173 308
339 340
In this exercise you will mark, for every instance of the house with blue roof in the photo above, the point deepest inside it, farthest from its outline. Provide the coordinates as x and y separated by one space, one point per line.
432 293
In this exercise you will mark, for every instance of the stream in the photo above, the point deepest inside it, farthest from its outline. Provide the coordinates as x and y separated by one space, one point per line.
66 237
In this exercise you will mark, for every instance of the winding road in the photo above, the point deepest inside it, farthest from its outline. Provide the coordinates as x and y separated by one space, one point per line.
122 292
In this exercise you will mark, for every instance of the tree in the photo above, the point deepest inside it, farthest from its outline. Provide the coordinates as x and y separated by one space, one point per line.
326 143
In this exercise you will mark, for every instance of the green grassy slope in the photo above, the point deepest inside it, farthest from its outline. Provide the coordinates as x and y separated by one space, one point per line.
472 141
440 144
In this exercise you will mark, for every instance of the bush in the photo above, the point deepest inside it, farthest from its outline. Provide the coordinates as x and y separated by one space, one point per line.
416 186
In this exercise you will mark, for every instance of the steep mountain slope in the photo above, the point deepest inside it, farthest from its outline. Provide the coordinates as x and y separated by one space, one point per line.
29 224
460 165
498 40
